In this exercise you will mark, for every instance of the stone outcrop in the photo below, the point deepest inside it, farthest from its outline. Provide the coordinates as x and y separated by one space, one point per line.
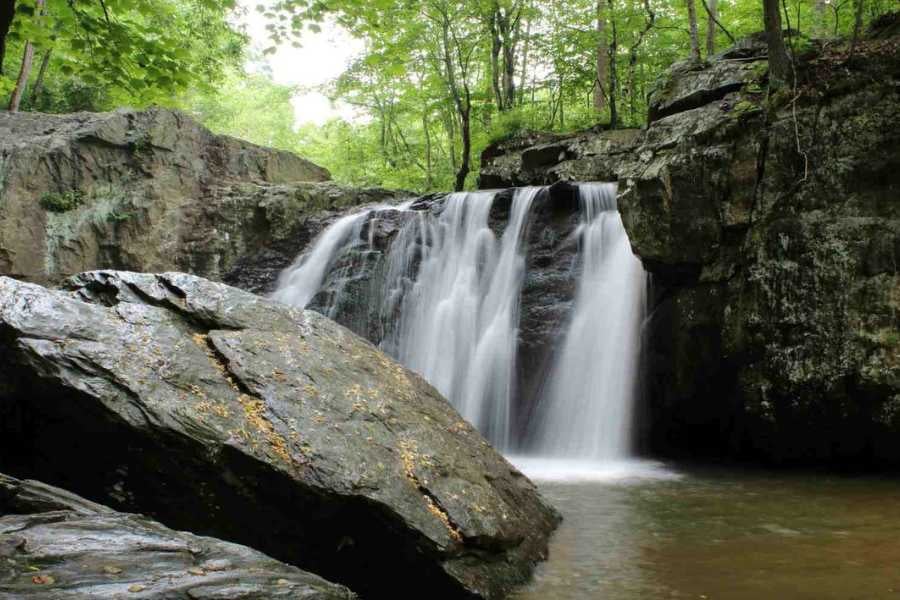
770 223
155 191
54 544
543 159
211 409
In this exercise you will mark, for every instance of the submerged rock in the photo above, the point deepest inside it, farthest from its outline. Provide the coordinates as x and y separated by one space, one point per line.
54 544
214 410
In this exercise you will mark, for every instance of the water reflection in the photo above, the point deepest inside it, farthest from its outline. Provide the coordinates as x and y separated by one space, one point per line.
645 534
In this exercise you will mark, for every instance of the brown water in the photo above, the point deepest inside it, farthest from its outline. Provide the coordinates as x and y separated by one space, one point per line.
721 535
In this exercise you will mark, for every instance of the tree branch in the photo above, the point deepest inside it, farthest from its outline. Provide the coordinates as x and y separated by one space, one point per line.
716 21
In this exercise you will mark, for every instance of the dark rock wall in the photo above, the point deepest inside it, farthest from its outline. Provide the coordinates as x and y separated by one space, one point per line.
771 226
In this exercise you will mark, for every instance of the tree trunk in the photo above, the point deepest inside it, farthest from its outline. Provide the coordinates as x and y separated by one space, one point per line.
429 162
496 48
613 73
602 60
7 12
462 100
713 7
695 37
39 82
820 19
523 78
633 58
463 172
509 72
25 71
779 61
857 26
27 59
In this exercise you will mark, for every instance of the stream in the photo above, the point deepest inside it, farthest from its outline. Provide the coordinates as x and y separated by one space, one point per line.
644 531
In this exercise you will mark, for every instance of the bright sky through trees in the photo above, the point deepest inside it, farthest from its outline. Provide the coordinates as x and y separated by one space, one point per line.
322 58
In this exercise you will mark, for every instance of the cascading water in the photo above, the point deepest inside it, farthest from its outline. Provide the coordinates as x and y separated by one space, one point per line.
458 323
300 282
587 410
448 295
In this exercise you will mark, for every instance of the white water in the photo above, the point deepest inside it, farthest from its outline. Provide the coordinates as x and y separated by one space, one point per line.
450 296
300 282
587 410
559 470
458 324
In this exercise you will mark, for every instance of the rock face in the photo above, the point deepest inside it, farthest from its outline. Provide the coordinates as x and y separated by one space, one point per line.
154 191
212 409
772 231
57 545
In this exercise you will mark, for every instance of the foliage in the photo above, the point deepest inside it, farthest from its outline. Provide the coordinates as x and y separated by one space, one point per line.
107 53
248 106
61 201
438 82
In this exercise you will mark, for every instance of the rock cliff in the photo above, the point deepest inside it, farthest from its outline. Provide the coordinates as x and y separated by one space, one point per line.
770 222
155 191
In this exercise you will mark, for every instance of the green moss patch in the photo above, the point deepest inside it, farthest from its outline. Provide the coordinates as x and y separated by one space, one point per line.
62 201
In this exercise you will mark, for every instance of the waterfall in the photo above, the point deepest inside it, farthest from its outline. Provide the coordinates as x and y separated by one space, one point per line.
587 410
445 296
458 322
300 282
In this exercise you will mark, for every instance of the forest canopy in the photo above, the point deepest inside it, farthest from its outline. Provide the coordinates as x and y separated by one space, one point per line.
436 83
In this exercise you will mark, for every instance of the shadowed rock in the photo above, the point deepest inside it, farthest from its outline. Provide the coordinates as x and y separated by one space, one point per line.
54 544
212 409
769 221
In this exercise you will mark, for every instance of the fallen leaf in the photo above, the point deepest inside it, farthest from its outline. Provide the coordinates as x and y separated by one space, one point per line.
136 588
43 580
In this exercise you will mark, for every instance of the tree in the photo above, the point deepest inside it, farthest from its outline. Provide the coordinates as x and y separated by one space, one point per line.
7 12
712 8
692 25
613 69
857 24
25 70
600 95
435 80
135 52
779 61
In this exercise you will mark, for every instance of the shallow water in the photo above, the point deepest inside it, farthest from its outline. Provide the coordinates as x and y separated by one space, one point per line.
646 531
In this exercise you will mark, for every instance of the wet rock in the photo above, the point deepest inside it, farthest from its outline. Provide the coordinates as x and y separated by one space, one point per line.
54 544
214 410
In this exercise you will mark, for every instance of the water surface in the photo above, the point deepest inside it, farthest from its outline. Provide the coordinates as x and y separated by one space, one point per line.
644 531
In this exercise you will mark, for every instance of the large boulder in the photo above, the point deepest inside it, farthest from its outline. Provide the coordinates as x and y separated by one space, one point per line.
155 191
770 223
215 410
54 544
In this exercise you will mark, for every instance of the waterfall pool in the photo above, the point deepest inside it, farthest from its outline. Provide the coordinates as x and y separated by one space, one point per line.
643 530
